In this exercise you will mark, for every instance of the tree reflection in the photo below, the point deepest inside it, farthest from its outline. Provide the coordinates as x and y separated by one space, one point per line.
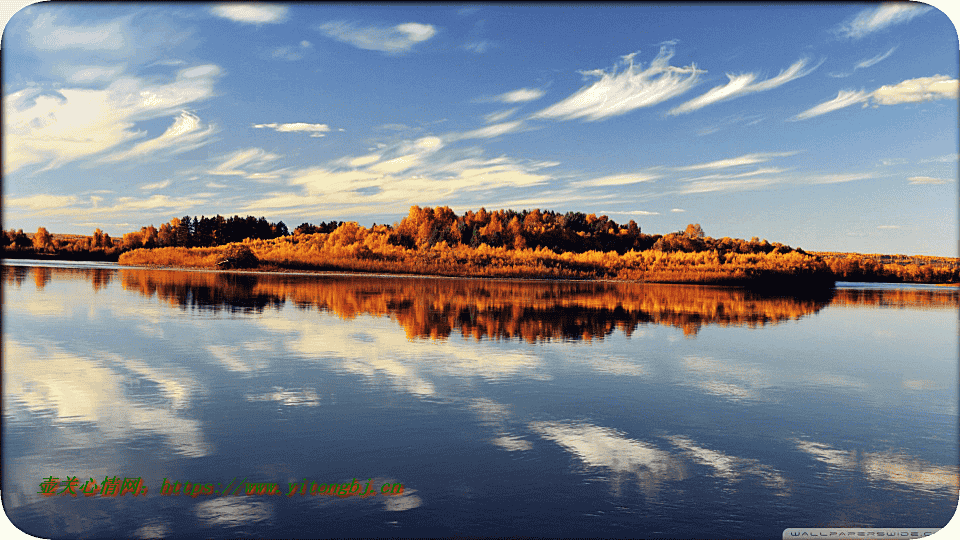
436 308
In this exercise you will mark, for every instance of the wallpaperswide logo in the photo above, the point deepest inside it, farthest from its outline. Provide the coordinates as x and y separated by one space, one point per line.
872 533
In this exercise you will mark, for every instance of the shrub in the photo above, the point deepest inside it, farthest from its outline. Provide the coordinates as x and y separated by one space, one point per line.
238 256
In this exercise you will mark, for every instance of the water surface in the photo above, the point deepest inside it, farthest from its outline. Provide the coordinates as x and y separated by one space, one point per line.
502 407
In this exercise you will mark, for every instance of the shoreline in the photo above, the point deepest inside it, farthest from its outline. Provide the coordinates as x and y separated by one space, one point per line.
765 283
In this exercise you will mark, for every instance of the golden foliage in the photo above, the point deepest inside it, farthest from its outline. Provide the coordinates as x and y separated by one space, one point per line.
501 309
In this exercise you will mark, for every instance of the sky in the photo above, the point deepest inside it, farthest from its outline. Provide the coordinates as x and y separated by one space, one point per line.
831 128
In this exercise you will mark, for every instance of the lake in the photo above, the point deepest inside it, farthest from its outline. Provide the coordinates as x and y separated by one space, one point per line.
500 407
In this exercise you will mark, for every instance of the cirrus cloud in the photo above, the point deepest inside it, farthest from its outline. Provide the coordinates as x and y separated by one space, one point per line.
619 92
251 13
739 85
395 39
909 91
315 130
875 19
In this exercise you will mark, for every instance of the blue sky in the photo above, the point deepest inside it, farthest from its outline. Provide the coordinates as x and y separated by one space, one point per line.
825 127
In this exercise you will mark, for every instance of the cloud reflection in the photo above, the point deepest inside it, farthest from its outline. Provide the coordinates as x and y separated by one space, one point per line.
76 389
607 448
890 466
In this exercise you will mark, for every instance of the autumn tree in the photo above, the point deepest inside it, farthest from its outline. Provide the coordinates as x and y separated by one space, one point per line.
694 230
165 235
42 239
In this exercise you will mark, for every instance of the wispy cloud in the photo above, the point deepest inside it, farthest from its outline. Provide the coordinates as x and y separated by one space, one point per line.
706 186
479 47
234 163
747 159
875 19
619 92
739 85
488 132
291 54
892 161
500 116
677 210
888 226
926 180
746 120
834 178
155 186
396 39
40 202
916 90
949 158
909 91
615 180
631 213
54 128
48 33
875 60
315 130
251 13
187 133
844 98
520 95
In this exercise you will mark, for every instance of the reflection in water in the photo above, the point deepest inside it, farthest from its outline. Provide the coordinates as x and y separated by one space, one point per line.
435 308
887 466
603 447
939 298
80 392
529 310
208 376
731 468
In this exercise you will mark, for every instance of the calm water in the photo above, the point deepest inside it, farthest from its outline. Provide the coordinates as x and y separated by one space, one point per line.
503 408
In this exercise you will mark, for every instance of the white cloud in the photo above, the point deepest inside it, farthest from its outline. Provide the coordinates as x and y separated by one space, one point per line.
251 157
185 134
364 160
520 95
705 186
396 39
86 74
909 91
744 84
926 180
48 34
888 226
747 159
291 54
874 19
488 132
251 13
677 210
41 202
615 180
632 213
617 93
155 186
478 47
844 98
835 178
315 130
57 127
949 158
875 60
396 165
916 90
500 116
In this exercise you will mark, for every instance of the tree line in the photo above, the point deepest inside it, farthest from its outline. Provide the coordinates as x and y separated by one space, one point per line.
442 241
